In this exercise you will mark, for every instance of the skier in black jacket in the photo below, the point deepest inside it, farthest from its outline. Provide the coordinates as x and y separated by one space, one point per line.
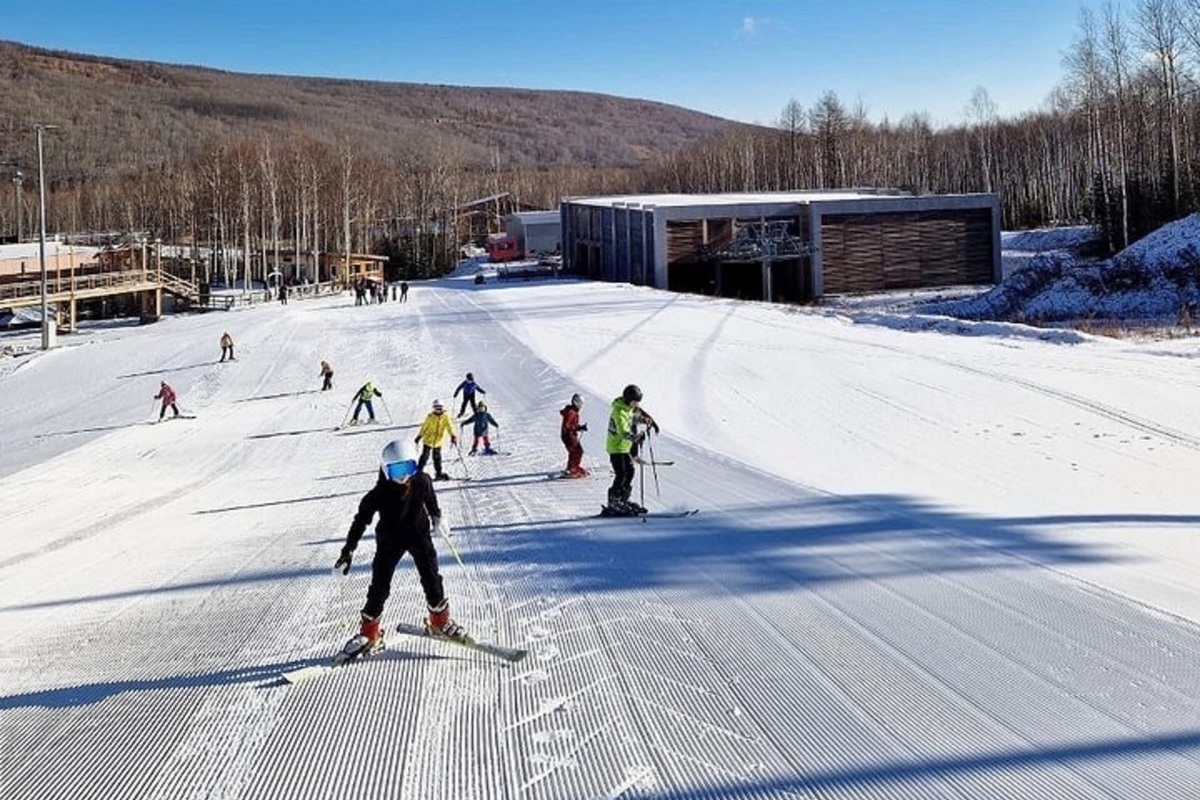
408 510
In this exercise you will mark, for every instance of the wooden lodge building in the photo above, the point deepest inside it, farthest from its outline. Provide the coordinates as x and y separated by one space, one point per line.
785 246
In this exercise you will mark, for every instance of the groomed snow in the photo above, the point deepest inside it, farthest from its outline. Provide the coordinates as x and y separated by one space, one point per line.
926 565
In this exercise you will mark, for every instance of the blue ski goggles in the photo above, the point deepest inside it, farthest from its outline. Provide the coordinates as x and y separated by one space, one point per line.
400 470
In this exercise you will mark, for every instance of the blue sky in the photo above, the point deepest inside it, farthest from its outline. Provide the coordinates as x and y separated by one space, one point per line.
739 59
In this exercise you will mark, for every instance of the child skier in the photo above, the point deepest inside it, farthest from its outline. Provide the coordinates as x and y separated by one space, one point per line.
227 346
327 374
468 388
433 432
408 510
571 429
167 395
366 393
481 418
621 444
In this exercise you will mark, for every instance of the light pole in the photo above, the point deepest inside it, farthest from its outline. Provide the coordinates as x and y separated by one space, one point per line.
17 180
47 330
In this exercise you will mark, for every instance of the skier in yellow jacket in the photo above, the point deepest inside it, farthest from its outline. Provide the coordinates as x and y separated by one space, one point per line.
434 430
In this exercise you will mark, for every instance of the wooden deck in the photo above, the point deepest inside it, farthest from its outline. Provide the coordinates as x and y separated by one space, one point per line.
65 288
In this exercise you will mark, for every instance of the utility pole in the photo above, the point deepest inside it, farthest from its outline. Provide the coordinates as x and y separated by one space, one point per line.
47 327
18 180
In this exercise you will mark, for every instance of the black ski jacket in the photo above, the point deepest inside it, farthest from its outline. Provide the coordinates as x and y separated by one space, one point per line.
404 511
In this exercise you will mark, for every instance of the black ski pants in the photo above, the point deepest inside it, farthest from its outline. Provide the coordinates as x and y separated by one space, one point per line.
424 459
388 553
622 485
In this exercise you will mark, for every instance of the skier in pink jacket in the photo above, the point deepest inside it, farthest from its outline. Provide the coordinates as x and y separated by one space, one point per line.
167 395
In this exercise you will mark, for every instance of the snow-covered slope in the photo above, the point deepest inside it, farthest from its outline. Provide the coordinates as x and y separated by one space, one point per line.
925 565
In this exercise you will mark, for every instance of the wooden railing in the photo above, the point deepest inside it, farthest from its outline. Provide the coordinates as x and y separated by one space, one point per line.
63 287
60 288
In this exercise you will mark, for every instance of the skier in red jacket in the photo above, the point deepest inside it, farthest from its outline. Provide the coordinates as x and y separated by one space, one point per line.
570 437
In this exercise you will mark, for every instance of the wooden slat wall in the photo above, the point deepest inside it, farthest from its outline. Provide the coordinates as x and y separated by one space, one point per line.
870 252
684 240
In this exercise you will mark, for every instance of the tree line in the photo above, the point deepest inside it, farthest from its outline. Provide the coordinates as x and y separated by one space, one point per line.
1115 145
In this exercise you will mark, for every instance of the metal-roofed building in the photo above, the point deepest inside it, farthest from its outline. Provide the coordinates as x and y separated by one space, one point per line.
535 231
784 246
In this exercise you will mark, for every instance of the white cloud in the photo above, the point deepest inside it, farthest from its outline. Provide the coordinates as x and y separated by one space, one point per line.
749 27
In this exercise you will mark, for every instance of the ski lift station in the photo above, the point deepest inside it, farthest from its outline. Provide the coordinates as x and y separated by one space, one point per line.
785 246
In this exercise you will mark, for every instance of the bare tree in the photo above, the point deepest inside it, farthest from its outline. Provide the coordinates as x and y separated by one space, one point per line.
981 112
792 122
1160 31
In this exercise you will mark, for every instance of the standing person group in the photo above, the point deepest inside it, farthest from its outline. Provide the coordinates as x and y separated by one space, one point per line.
622 442
468 388
227 346
434 431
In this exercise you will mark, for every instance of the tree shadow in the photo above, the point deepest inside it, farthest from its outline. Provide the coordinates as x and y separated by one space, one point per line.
348 430
304 432
787 545
339 476
758 548
100 429
166 370
285 502
264 676
277 396
231 581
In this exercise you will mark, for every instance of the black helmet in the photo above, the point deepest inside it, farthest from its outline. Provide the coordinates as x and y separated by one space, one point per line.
632 394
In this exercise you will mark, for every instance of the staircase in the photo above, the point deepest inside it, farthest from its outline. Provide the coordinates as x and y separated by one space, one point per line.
179 287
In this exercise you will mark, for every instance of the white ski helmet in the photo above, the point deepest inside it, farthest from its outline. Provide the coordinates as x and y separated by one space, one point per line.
577 401
399 460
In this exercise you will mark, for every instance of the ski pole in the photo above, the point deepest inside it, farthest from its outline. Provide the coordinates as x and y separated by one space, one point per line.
453 549
642 482
346 416
653 465
386 410
476 589
461 460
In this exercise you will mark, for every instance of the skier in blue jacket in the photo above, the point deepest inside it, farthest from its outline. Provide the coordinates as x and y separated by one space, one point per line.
481 419
468 388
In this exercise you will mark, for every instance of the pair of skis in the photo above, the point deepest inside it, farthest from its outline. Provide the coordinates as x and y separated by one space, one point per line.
612 513
509 654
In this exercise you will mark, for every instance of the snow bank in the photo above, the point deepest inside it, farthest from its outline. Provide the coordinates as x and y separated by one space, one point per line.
1155 279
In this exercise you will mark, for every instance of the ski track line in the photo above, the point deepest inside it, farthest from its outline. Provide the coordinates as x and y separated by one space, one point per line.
1108 412
1042 795
513 496
965 696
494 497
878 725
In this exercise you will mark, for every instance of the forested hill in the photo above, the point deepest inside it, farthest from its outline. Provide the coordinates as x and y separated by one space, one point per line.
119 116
